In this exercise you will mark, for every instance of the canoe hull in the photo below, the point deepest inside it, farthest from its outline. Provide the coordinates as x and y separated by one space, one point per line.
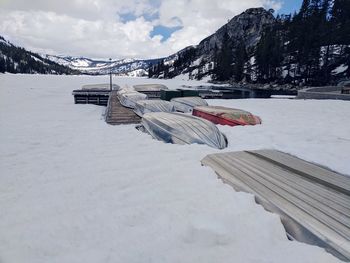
129 96
186 104
222 119
179 128
146 106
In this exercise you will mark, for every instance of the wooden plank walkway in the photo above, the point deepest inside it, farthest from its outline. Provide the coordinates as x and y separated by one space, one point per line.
118 114
97 97
313 202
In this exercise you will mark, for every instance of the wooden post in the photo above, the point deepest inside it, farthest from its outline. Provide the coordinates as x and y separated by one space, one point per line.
110 74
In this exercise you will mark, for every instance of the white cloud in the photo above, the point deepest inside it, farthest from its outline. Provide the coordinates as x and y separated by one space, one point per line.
94 28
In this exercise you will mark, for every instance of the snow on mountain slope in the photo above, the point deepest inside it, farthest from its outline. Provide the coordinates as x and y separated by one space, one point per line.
15 59
129 67
5 42
137 73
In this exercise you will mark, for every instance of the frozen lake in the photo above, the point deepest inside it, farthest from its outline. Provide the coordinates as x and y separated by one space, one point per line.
74 189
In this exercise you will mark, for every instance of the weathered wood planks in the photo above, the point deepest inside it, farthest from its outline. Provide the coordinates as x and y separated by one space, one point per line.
118 114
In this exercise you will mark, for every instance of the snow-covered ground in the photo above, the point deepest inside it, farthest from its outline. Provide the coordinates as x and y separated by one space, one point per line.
74 189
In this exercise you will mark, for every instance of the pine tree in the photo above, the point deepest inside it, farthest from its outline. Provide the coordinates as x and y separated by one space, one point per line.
2 65
341 21
269 54
224 59
240 60
150 71
304 10
325 40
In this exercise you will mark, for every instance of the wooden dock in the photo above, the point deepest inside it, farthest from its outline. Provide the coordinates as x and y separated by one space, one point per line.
97 94
97 97
313 202
118 114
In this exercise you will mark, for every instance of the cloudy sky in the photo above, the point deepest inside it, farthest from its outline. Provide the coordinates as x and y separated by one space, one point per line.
120 28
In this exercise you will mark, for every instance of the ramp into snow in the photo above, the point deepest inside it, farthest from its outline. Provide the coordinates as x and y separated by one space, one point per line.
118 114
313 202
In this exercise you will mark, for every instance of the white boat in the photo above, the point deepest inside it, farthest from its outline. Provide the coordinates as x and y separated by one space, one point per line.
150 87
128 97
180 128
145 106
186 104
97 87
153 91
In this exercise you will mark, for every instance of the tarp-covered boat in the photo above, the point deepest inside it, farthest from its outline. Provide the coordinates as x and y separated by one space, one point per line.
153 91
186 104
125 89
226 116
128 97
145 106
181 128
104 86
150 87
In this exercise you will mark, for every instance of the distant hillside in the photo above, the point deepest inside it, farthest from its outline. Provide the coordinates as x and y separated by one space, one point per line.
311 47
15 59
129 67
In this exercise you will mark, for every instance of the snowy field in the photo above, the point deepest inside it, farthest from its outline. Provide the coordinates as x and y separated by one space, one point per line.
74 189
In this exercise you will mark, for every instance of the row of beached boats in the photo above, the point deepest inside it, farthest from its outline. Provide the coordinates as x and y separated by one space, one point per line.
184 120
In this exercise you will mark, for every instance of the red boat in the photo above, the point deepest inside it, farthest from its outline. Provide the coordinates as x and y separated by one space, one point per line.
226 116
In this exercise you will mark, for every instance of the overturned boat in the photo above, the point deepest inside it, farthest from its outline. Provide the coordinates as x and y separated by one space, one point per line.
226 116
179 128
102 87
186 104
128 97
145 106
153 91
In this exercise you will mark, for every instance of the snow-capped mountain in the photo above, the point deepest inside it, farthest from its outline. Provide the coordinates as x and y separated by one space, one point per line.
129 67
14 59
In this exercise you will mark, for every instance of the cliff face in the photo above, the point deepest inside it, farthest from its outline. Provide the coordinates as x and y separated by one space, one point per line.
310 48
197 61
246 27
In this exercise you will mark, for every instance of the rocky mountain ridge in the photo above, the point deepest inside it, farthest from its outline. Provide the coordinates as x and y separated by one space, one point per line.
15 59
129 67
310 47
245 28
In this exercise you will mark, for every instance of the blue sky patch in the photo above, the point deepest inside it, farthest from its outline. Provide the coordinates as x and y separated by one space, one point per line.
164 31
130 16
151 17
126 17
290 6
